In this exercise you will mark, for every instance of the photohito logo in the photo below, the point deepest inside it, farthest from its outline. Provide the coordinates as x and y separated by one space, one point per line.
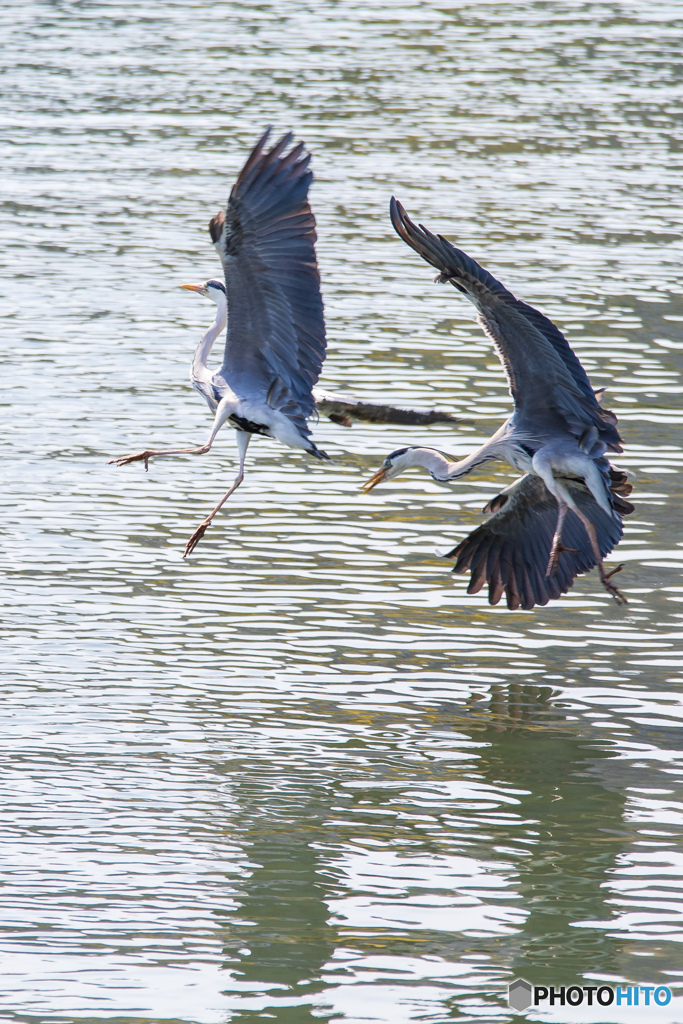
522 995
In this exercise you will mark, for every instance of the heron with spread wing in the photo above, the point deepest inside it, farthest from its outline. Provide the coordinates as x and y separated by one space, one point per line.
275 343
272 306
565 514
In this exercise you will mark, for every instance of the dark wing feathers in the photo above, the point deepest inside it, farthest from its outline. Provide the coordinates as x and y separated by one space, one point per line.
266 240
546 378
511 550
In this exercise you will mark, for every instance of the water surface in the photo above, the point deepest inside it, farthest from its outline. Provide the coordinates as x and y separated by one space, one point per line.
303 775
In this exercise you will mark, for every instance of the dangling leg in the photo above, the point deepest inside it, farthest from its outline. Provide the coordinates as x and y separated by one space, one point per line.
147 455
558 546
605 577
242 444
543 466
223 411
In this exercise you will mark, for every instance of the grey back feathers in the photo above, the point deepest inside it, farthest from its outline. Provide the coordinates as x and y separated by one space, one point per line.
275 343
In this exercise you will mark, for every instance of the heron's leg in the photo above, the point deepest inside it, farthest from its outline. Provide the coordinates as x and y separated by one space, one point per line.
605 577
544 469
147 455
558 546
242 444
223 411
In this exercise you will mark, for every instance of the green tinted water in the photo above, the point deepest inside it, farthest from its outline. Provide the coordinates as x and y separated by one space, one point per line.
302 775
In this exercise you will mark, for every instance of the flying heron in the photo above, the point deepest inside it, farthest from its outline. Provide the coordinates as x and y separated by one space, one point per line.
272 307
565 514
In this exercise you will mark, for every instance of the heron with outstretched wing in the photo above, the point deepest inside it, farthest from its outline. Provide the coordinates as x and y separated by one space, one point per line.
272 306
565 514
275 343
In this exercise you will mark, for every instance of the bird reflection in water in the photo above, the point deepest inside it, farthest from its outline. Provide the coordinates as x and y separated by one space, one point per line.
565 831
532 803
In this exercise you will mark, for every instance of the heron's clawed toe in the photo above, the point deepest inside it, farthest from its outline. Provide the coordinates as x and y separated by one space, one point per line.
555 557
606 579
196 537
138 457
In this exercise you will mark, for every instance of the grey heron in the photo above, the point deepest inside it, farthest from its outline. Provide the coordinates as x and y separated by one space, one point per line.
275 344
272 307
564 515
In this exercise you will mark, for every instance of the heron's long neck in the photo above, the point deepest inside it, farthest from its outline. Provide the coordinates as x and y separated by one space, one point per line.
443 469
203 350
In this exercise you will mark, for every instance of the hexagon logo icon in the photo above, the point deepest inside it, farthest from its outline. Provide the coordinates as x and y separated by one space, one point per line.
519 994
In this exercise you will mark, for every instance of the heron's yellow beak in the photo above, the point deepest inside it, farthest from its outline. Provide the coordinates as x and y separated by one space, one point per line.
375 479
193 287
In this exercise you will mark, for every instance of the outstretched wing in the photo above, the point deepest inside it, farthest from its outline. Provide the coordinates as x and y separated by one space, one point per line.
266 239
511 550
549 386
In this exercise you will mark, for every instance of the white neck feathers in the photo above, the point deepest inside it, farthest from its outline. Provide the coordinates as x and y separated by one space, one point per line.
442 468
203 350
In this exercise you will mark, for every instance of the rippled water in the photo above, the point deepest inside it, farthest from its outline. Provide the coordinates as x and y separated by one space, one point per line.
302 775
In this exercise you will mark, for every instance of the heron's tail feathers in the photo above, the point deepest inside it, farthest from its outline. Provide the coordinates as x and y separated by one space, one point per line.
318 453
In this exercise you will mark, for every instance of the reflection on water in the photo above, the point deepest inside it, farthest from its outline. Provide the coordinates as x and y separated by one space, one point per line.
304 775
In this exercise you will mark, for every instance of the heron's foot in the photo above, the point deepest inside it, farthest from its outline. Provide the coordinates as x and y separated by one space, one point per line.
555 553
138 457
150 452
196 537
606 580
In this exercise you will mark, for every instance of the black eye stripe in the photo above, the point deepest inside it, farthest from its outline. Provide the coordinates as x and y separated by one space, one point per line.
216 284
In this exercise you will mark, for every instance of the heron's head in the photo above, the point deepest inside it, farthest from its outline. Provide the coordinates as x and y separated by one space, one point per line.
393 465
437 462
214 290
